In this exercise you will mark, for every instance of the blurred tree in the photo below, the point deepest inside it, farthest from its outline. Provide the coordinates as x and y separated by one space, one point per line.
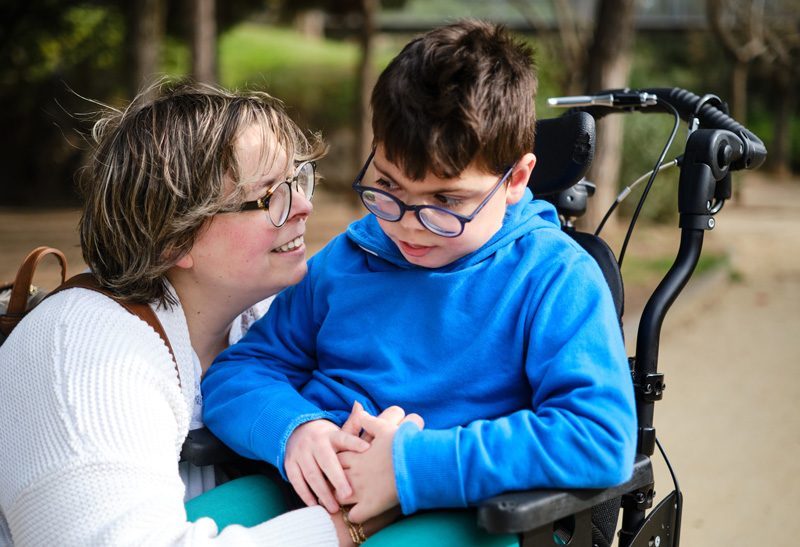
608 67
571 46
102 49
366 77
739 26
203 40
145 24
361 14
47 47
594 58
783 62
753 31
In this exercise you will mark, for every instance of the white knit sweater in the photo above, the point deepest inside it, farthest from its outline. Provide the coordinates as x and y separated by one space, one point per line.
91 425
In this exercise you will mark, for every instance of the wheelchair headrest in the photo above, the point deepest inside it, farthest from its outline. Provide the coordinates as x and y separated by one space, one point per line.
564 149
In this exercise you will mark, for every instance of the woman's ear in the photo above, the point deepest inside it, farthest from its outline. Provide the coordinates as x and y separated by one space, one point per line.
186 261
518 180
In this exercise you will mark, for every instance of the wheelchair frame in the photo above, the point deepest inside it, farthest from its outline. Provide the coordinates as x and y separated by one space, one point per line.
716 146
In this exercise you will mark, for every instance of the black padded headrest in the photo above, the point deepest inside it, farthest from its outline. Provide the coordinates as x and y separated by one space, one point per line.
564 149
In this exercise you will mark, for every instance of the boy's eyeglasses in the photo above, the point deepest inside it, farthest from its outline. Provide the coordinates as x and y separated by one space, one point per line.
438 220
277 202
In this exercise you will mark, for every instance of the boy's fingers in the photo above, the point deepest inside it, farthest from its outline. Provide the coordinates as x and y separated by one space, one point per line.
316 481
416 419
372 425
353 423
394 415
299 484
344 441
335 475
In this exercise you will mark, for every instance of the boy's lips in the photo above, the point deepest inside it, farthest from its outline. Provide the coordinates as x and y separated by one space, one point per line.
414 250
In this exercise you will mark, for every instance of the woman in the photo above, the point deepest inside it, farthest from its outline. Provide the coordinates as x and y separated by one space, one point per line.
195 202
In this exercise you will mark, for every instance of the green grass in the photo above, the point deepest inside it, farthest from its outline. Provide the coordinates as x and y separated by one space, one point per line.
251 52
646 271
314 77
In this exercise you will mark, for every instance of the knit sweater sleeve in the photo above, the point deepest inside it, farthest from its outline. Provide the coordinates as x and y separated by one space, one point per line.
93 423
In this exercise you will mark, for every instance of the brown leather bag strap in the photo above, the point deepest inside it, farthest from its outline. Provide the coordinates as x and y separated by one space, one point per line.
142 311
20 290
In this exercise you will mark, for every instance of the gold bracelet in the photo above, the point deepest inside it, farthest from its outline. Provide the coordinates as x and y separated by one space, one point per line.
356 530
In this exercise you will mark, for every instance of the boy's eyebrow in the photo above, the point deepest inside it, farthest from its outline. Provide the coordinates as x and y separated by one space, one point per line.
383 174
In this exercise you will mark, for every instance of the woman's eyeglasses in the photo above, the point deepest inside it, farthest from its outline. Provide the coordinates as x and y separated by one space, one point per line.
277 202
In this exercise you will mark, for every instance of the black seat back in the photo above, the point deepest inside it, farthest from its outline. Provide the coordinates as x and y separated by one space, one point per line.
564 150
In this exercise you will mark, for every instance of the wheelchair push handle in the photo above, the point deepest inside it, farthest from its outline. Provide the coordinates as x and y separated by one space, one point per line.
707 112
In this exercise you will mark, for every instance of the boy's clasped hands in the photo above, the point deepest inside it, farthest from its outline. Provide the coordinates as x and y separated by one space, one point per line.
351 465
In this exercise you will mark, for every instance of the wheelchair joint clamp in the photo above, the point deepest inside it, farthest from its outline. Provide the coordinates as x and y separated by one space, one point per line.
640 499
649 386
647 441
697 222
653 386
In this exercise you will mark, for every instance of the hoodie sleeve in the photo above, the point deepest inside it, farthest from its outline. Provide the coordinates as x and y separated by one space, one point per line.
250 393
580 431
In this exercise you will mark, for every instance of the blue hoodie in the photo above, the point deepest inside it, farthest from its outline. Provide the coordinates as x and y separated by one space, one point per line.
512 355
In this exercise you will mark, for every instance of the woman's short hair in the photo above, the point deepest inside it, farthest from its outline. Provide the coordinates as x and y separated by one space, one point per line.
455 95
158 172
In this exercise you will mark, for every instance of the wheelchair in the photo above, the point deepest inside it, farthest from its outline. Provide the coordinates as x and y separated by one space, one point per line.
564 146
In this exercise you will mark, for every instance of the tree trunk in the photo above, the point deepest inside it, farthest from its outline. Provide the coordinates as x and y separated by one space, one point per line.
365 80
778 157
739 92
203 38
608 67
145 32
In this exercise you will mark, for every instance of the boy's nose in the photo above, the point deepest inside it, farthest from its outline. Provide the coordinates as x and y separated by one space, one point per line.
409 221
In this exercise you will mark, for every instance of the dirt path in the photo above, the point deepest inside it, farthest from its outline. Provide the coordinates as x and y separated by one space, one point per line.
730 351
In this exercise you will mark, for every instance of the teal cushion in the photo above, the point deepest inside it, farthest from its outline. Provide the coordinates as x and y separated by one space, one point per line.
247 501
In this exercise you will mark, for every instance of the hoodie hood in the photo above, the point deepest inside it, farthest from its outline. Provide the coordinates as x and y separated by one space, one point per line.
520 219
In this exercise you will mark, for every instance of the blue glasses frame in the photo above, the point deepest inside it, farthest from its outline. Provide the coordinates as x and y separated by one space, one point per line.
419 210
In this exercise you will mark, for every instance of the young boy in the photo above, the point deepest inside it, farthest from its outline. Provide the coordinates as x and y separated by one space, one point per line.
458 298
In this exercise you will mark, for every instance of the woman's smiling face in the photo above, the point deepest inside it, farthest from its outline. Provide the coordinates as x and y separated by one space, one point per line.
242 255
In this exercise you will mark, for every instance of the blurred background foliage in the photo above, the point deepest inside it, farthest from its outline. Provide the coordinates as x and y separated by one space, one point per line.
58 55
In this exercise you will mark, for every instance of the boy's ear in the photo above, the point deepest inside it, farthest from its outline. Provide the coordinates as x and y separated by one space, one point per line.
518 180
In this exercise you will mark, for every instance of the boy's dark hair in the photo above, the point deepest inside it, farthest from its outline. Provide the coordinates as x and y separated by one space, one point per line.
455 95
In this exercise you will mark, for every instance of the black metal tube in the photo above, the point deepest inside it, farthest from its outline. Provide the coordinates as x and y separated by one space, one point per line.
658 305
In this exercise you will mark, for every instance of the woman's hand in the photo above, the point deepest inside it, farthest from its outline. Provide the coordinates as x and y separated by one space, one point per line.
371 472
312 465
370 527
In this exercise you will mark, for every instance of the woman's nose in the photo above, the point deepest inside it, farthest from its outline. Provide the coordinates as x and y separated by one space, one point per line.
301 205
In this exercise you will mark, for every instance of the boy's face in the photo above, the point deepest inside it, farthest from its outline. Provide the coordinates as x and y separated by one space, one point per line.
461 195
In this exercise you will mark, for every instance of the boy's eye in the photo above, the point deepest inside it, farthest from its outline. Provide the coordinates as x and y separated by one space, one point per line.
447 201
385 184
